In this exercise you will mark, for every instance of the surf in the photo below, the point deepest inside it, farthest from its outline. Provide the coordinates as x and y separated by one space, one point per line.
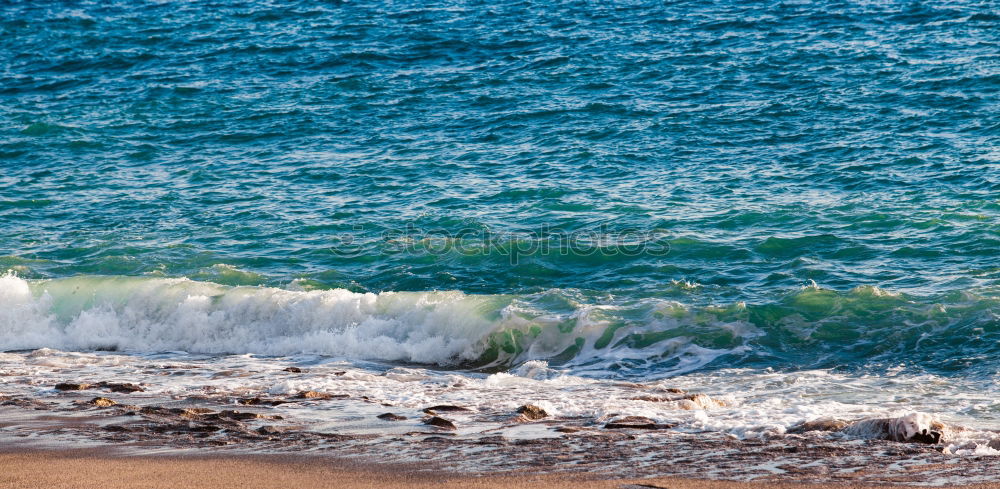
810 327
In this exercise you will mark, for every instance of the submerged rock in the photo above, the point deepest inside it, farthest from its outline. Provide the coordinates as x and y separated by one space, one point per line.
69 386
243 416
391 417
312 395
294 370
912 428
637 423
699 401
685 401
320 395
123 388
255 401
269 430
825 424
532 412
26 403
440 423
444 408
189 413
196 411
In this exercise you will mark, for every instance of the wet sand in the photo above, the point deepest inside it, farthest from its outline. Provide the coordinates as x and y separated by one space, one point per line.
72 469
71 439
61 428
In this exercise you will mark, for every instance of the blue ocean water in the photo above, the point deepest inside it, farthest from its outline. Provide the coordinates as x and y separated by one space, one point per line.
625 188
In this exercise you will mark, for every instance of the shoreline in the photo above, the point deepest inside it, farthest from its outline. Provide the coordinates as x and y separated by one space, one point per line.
107 408
111 469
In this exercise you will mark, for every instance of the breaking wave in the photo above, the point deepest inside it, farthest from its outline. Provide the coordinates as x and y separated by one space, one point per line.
811 327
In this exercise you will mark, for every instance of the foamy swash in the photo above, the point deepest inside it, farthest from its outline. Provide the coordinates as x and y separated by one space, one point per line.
809 327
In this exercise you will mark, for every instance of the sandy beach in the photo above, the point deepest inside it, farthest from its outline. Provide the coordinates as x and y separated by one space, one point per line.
58 469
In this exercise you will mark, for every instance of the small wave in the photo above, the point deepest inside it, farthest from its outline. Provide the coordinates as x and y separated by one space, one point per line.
812 326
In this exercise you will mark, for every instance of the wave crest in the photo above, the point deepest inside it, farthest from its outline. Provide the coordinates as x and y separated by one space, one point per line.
811 327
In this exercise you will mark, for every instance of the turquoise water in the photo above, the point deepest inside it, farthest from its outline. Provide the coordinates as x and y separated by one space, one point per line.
796 184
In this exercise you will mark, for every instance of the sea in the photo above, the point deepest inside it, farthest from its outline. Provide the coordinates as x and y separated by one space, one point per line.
791 206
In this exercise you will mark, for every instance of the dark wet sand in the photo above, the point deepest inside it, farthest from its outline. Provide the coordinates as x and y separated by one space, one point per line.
74 469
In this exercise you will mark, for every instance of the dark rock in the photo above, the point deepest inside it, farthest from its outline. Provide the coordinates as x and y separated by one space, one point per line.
433 439
26 403
157 410
826 424
532 412
67 386
320 395
102 402
334 436
440 423
444 409
122 388
294 370
391 417
227 373
249 401
269 430
116 428
928 437
567 429
256 401
195 412
188 413
492 440
239 416
242 415
636 423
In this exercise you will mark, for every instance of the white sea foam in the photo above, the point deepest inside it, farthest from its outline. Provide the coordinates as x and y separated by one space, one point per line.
138 314
438 327
332 333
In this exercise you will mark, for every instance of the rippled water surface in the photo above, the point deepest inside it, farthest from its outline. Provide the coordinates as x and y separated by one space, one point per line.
820 181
